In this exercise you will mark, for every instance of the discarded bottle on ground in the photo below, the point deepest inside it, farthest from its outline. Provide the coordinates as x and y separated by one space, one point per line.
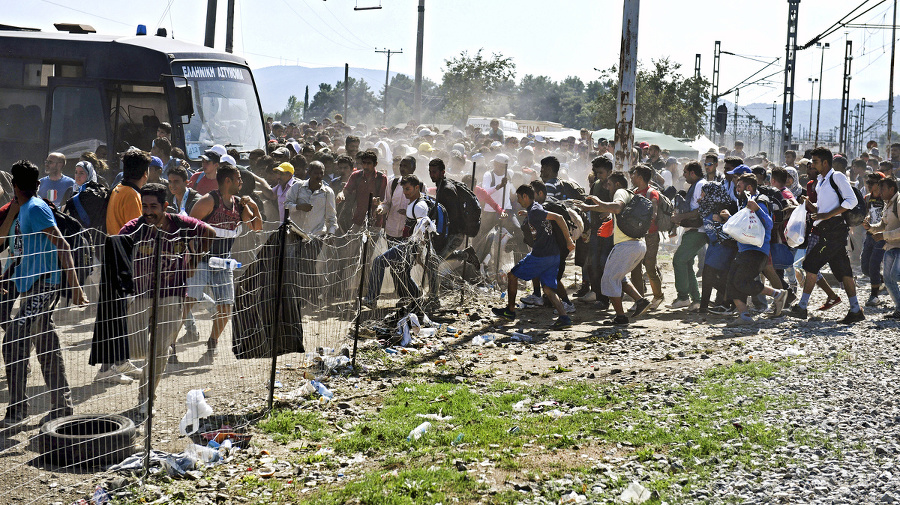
224 263
418 431
322 390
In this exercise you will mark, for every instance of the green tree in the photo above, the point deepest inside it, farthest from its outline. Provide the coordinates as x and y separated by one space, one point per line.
328 101
470 81
665 102
401 95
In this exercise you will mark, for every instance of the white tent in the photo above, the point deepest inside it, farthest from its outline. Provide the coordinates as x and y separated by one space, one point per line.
702 144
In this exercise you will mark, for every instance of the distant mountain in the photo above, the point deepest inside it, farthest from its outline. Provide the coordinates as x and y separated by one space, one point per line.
276 84
831 115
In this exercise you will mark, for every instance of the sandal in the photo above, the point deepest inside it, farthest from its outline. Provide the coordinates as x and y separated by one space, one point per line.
831 302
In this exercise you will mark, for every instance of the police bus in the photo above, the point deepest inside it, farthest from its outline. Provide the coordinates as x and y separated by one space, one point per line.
75 90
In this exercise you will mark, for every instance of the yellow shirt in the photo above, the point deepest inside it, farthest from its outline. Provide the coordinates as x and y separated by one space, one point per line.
124 205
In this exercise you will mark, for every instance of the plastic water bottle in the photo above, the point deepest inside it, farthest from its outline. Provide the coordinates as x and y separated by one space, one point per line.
419 430
224 263
322 390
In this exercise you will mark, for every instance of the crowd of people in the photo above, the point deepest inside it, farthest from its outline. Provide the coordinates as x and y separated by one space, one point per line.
490 206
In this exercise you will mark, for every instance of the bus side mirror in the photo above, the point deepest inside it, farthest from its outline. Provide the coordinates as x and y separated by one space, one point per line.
184 103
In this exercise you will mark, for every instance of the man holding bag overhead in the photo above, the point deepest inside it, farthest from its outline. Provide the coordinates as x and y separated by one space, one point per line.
751 259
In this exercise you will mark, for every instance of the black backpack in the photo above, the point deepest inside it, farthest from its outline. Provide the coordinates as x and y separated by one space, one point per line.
76 236
89 205
856 215
664 212
470 209
558 208
636 217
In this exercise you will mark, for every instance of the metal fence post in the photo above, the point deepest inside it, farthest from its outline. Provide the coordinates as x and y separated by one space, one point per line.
362 279
154 320
279 308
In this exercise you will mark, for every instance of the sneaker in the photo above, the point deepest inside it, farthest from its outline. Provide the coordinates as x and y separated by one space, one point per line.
657 301
601 305
128 368
112 375
470 256
873 301
799 312
679 304
893 315
619 320
791 297
570 308
583 290
532 299
743 320
640 307
211 344
779 302
561 323
721 310
504 313
694 307
762 309
853 317
590 296
831 302
191 334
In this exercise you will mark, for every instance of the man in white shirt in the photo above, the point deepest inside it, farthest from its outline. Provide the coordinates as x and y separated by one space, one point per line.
314 205
827 243
394 203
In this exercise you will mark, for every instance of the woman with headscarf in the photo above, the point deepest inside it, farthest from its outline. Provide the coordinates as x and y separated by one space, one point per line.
794 182
84 173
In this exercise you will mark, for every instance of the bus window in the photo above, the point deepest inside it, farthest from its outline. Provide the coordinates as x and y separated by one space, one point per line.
76 120
22 114
141 109
226 110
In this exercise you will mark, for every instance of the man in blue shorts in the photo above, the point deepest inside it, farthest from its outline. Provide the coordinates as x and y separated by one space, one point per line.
542 262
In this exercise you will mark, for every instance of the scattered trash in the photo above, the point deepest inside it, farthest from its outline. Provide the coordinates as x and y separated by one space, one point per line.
197 408
418 431
521 337
202 454
555 413
459 440
174 464
265 472
522 406
539 407
793 352
408 326
304 391
513 430
484 339
573 498
101 497
322 390
434 417
635 493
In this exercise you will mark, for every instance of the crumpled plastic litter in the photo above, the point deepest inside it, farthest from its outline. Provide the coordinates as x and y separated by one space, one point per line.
435 417
101 497
197 409
572 498
408 326
793 351
487 338
173 463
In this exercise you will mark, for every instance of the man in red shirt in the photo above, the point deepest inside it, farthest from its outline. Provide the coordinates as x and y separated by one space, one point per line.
640 179
204 181
363 183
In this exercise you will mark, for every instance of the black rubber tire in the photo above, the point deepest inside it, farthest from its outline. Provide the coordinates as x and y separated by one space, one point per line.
87 440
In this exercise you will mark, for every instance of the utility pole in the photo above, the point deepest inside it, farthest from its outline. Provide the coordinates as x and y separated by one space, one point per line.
819 106
714 96
790 61
420 41
759 123
229 28
812 98
737 97
387 75
346 90
774 108
210 39
697 66
306 103
627 85
862 124
845 96
890 114
750 119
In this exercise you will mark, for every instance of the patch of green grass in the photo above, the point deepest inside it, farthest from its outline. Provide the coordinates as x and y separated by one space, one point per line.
406 487
287 425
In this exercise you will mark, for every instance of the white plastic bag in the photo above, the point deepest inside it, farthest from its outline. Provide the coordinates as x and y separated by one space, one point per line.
746 228
795 229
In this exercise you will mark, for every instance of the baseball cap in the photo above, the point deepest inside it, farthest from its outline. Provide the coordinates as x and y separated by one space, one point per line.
156 162
281 151
501 158
758 170
214 153
285 167
228 160
602 142
671 161
739 170
425 147
644 144
804 161
424 132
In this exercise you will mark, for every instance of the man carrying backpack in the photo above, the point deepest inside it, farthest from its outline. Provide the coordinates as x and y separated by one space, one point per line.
401 257
827 242
448 194
640 178
627 252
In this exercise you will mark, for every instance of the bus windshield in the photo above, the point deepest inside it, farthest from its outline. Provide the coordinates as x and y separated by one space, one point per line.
226 109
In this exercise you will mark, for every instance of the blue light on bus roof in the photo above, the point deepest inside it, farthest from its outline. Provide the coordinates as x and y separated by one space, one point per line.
141 30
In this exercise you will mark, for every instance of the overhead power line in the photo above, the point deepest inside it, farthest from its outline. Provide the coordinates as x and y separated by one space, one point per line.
841 23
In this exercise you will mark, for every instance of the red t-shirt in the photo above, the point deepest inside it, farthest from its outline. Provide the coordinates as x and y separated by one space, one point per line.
205 185
653 196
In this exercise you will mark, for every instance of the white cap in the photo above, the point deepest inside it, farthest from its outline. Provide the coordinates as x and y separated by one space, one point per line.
227 160
501 158
496 143
217 151
424 132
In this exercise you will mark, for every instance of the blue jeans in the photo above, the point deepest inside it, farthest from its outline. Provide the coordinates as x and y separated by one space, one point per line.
892 275
872 255
400 259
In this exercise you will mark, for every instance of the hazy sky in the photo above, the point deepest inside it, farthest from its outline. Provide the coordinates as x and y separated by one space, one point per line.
558 39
